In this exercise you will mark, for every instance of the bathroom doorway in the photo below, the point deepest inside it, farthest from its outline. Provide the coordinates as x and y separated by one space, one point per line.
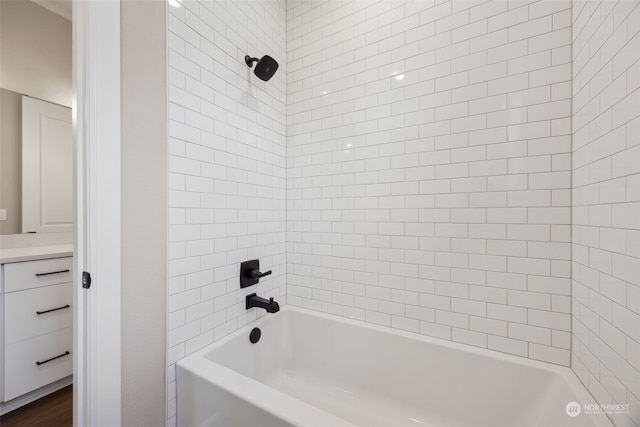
36 211
92 243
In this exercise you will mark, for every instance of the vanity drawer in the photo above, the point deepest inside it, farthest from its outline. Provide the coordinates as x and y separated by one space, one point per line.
22 374
21 318
33 274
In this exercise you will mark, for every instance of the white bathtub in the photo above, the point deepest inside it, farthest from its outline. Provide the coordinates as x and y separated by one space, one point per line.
311 369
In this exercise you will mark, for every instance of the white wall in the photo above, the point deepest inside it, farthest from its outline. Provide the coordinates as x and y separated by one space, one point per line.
606 202
428 173
227 158
144 212
35 52
11 161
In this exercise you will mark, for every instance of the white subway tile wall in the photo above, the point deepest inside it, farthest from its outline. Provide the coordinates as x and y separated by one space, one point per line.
227 168
606 202
429 168
410 165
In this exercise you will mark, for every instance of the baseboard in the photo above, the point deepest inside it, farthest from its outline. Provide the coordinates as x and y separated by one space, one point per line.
6 407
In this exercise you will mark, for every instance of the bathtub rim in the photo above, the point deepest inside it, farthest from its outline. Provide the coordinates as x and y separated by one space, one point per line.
244 387
280 405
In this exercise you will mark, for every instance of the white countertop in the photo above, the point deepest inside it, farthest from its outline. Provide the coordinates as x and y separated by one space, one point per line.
33 253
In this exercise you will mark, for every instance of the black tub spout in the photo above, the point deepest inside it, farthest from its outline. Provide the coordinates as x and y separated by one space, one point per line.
253 300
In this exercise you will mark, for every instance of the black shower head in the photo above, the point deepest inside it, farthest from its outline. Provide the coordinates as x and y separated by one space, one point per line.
266 67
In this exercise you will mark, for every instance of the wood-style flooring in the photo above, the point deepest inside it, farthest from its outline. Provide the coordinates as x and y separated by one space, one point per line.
54 410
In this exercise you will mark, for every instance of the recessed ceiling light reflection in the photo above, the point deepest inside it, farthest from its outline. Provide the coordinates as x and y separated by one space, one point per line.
174 3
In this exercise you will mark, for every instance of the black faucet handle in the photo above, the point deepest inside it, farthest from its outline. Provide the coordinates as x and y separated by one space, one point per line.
255 274
250 272
271 300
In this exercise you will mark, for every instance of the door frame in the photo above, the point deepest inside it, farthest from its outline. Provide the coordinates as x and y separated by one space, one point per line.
96 117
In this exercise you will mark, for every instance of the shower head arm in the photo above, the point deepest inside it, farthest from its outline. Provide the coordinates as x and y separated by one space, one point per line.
249 60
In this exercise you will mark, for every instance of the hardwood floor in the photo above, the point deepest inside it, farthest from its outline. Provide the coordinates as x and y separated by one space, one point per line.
54 410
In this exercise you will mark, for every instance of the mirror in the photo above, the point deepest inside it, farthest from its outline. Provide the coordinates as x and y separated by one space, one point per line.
36 94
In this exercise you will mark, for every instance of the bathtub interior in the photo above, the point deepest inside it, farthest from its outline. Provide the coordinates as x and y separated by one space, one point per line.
341 368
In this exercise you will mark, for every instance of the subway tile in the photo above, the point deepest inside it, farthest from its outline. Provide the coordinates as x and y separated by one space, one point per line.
549 354
600 267
530 28
508 19
438 163
530 333
507 345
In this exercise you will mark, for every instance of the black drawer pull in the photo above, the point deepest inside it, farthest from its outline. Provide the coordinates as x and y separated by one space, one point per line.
53 309
53 358
53 272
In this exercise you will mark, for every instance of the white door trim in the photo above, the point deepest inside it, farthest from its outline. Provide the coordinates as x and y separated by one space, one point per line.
97 344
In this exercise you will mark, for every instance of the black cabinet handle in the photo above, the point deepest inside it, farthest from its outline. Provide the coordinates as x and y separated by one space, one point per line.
53 358
52 272
53 309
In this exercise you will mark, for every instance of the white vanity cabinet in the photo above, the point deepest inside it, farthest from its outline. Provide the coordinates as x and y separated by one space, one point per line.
37 324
